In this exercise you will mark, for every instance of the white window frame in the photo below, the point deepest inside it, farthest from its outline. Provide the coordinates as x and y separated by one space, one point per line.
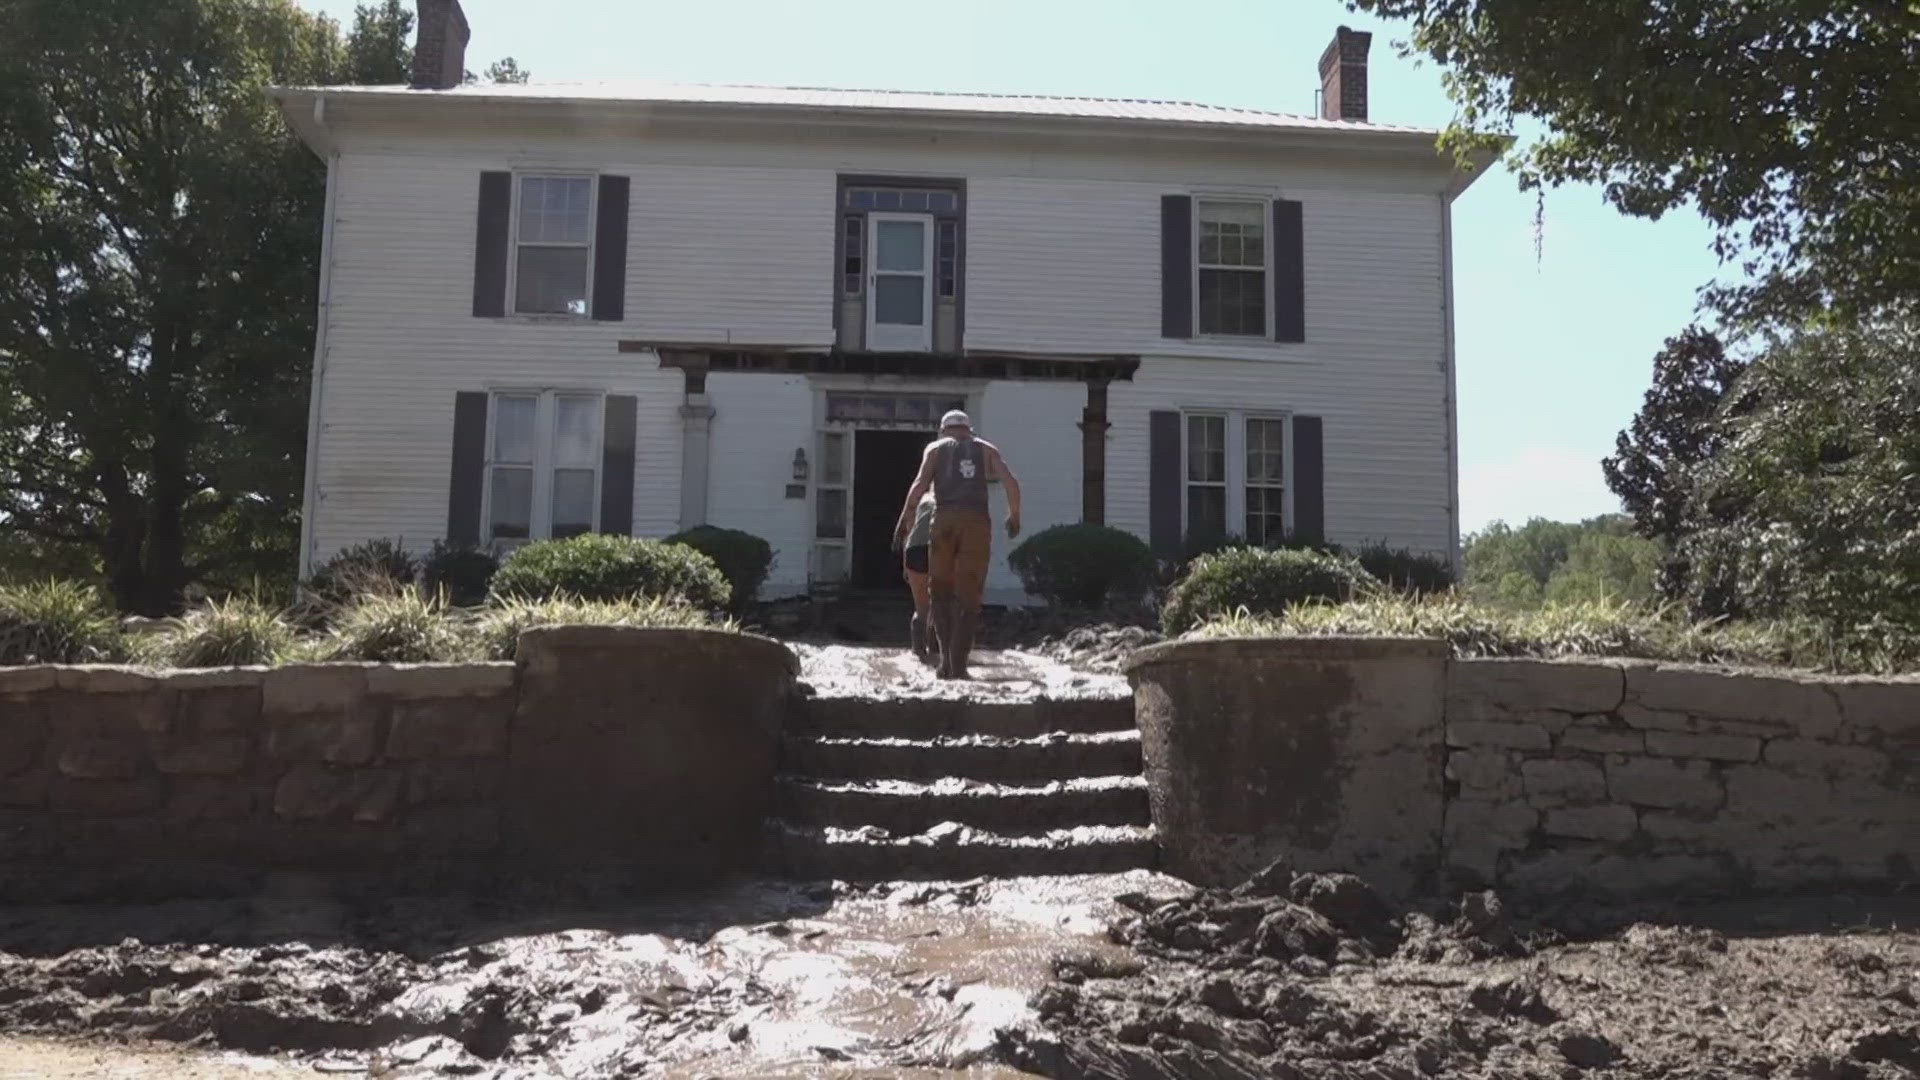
545 412
1187 483
899 337
515 244
1236 478
1266 270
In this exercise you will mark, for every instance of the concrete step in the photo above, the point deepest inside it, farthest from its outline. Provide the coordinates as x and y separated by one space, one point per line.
905 806
994 759
952 851
924 718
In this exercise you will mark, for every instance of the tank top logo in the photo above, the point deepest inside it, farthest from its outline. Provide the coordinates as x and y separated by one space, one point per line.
966 468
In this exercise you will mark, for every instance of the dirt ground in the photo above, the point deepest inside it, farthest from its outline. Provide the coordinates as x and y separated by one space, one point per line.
1112 977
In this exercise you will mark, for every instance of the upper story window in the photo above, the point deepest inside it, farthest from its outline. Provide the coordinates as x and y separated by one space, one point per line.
1232 268
899 264
553 245
543 465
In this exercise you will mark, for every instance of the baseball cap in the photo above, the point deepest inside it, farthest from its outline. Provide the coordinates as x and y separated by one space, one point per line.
955 418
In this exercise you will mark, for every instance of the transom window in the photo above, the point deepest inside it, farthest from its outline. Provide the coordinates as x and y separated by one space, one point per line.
886 410
543 465
910 200
1232 268
1236 477
553 245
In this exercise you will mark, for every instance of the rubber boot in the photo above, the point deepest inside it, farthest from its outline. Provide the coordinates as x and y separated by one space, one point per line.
944 632
922 636
965 621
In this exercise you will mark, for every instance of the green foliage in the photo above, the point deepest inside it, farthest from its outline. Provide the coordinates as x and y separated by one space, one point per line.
460 573
595 566
1751 113
743 558
379 567
496 633
1084 565
57 622
1259 581
1655 460
507 70
406 626
1575 628
1812 510
1406 571
378 49
1599 558
236 631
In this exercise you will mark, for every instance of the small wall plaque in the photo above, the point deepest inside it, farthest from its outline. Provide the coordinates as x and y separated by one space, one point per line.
796 491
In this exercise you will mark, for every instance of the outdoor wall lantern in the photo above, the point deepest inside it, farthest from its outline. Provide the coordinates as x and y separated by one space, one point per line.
800 464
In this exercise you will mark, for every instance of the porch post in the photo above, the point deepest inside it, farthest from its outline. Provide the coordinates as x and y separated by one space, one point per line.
1093 454
696 430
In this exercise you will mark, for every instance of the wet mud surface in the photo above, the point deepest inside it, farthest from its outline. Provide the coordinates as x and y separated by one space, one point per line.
1009 675
758 980
1315 977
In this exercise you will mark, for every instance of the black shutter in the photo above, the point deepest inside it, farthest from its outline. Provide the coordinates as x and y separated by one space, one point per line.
610 251
616 465
469 469
1176 266
1163 484
490 245
1309 485
1289 273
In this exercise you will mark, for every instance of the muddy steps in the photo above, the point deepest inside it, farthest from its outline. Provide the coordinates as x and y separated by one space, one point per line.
876 788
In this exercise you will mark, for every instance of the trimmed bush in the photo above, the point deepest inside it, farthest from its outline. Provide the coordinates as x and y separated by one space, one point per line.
379 567
1406 571
237 631
743 558
406 627
1084 565
595 566
1261 582
58 622
496 634
460 573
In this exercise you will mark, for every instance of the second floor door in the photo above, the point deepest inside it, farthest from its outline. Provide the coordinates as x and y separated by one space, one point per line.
900 311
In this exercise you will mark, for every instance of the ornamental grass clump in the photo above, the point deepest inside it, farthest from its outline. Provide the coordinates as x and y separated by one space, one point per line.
407 626
223 633
58 622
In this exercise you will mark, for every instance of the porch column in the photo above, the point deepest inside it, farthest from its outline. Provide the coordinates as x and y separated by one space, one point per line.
1093 454
696 431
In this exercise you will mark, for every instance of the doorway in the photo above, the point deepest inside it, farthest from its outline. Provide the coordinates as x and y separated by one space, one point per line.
884 465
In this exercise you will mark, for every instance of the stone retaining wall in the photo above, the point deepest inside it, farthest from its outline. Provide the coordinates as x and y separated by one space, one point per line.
1632 777
116 781
1617 777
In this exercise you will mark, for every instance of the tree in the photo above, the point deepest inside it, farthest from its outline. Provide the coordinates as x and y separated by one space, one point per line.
1599 558
1789 125
1654 460
506 70
1812 509
377 49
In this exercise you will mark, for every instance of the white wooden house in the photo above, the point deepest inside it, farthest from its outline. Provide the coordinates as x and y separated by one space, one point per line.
635 308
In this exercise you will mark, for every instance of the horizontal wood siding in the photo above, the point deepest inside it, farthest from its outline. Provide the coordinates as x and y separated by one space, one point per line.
1035 425
734 242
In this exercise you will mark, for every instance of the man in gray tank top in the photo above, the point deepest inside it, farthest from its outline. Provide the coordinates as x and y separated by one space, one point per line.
958 468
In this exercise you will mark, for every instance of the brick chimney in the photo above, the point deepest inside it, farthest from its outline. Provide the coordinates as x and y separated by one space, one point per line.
1343 75
440 52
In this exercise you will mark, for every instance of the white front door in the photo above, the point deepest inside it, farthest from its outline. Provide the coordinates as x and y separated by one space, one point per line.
900 286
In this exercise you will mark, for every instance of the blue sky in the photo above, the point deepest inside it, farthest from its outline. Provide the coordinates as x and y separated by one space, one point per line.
1554 353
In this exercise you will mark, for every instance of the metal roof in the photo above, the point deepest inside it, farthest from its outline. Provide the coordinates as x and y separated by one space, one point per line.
1178 112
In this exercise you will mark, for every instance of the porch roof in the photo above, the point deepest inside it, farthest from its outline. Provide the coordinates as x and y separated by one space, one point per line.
967 364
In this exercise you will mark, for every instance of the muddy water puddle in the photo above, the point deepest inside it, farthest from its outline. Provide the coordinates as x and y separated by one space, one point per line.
758 980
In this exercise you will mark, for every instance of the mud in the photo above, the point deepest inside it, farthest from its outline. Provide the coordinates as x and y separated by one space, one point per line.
998 676
1313 976
759 980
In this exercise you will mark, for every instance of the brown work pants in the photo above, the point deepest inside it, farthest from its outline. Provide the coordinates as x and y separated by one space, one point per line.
957 556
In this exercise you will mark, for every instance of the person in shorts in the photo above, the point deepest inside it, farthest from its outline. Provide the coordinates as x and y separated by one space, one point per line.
958 468
913 565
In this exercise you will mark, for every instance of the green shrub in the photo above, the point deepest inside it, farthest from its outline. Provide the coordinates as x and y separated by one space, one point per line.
600 567
239 630
57 622
376 567
407 626
1263 582
1406 571
459 572
1084 565
1576 628
743 558
496 633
